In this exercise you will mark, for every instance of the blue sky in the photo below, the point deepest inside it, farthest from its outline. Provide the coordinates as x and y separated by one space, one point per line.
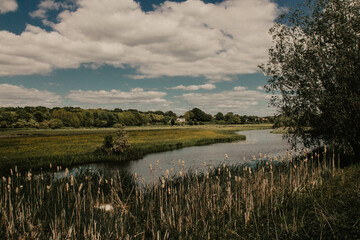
147 54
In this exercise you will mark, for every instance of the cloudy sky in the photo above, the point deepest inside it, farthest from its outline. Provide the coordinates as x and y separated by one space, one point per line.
146 54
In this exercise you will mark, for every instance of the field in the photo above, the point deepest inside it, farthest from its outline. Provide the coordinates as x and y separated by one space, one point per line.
307 198
38 148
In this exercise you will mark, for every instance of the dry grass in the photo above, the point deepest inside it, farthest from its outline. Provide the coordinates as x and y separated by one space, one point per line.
276 199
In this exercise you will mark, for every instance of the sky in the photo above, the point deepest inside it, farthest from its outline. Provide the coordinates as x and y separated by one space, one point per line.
147 54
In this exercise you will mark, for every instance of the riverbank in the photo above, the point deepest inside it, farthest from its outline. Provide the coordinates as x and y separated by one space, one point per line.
299 199
36 148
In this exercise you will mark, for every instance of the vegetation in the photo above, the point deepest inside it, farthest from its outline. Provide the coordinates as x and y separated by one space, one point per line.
315 65
57 118
38 148
305 198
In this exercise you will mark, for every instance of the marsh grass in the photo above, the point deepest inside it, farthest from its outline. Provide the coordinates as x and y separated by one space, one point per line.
289 198
35 152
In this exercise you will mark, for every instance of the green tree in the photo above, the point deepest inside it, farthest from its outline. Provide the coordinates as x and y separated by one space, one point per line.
314 69
219 116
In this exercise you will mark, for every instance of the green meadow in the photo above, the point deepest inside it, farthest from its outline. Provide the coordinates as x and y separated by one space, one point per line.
38 148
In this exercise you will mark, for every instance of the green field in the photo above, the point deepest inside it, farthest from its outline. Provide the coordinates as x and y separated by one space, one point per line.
37 148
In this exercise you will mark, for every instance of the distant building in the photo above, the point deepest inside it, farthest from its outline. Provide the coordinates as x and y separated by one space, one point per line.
181 120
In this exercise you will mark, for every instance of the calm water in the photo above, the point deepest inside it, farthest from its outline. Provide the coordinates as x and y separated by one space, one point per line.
257 141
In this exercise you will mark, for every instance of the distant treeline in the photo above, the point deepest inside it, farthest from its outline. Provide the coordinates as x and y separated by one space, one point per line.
42 117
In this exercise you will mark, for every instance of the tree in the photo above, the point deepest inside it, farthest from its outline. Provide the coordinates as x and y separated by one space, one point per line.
219 116
314 70
118 145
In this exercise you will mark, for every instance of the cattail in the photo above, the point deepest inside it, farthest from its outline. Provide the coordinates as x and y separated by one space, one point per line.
226 156
135 177
11 172
72 180
67 187
80 187
21 187
16 190
181 173
162 183
167 173
150 167
157 162
29 176
4 179
50 166
183 163
9 187
171 169
219 171
9 180
179 161
66 172
15 168
48 187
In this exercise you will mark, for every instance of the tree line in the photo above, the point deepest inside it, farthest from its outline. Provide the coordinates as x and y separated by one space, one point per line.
76 117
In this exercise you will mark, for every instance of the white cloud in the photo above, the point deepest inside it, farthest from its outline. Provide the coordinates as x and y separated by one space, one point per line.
194 87
260 88
45 6
240 88
177 39
8 6
239 101
136 95
12 95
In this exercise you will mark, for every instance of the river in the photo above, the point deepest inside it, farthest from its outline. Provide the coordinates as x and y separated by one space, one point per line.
201 157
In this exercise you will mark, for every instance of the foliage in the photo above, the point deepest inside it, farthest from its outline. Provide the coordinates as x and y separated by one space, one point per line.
315 64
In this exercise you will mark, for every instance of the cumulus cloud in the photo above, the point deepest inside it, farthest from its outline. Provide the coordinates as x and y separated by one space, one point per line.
194 87
12 96
136 95
239 88
239 100
8 6
189 38
260 88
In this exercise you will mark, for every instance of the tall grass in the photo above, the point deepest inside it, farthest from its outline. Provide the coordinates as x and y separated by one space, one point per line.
274 199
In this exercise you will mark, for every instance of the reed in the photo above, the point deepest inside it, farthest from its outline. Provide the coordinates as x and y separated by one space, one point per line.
286 198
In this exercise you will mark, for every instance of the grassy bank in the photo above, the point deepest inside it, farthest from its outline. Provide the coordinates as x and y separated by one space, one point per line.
307 199
38 148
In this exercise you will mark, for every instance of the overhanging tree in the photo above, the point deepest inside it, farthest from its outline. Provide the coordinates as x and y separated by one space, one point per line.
314 72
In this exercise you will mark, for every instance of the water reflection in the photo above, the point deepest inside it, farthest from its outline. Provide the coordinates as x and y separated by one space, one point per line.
258 142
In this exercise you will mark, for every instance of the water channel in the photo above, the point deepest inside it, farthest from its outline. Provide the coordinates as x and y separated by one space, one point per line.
201 157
